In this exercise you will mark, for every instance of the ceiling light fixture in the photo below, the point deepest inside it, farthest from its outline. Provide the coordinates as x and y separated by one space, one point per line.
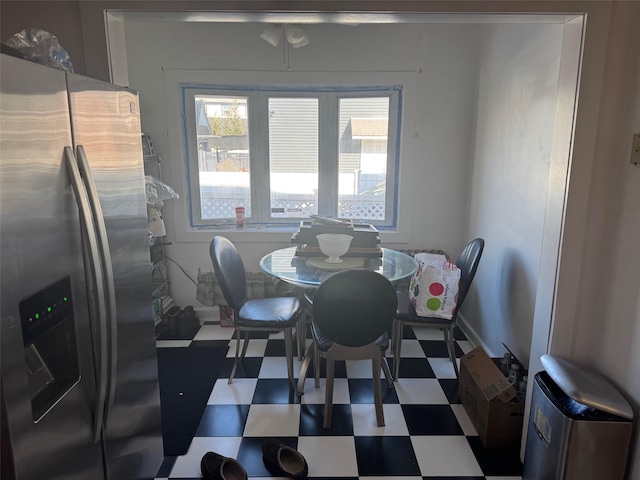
272 34
295 35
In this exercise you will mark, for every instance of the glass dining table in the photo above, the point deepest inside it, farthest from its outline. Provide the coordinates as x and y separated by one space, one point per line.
309 272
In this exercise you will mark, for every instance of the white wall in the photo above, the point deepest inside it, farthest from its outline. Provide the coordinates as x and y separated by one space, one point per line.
517 85
608 337
436 61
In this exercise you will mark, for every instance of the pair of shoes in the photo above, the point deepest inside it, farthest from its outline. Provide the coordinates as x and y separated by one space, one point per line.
282 460
173 320
216 467
188 322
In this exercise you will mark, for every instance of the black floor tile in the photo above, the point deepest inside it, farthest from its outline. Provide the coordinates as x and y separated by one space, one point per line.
431 420
255 334
275 348
166 467
437 348
247 368
312 416
250 454
459 334
361 391
450 387
414 368
339 369
497 461
408 333
209 343
223 421
386 456
274 390
335 478
453 478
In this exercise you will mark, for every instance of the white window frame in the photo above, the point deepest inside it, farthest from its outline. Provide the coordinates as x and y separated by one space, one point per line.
257 106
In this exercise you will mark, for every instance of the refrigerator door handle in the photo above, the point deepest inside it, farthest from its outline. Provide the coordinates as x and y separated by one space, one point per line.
107 270
91 242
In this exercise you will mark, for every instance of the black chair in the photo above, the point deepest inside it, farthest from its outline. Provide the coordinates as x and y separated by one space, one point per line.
352 312
467 262
261 314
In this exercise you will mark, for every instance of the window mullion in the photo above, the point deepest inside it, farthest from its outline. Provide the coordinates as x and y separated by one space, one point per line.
328 155
192 159
393 156
259 141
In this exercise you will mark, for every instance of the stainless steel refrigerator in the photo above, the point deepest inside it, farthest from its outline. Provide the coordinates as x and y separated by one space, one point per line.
80 395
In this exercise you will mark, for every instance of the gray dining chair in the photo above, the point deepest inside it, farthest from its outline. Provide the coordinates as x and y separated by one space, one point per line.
260 314
467 262
352 312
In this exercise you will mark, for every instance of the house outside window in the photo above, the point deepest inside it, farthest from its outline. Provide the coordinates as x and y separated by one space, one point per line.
287 154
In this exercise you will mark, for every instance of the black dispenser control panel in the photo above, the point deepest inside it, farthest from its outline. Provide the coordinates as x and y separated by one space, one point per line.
43 311
50 349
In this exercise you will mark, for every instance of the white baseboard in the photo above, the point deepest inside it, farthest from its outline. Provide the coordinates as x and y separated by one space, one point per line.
473 336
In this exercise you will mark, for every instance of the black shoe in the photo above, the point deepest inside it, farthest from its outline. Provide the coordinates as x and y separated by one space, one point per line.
173 320
216 467
282 460
188 322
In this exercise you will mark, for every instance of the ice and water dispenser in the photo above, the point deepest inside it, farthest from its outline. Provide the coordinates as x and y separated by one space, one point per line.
580 425
50 348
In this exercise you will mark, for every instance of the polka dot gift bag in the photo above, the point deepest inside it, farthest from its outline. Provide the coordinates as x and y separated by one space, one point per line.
434 287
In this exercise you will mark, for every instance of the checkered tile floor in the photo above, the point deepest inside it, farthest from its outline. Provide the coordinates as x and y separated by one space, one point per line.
428 434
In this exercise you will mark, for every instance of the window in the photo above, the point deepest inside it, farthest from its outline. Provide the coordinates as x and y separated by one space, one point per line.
286 154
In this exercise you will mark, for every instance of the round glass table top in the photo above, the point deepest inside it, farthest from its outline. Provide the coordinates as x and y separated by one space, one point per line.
311 271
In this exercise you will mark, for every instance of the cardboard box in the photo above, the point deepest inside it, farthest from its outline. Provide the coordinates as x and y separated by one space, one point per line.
490 401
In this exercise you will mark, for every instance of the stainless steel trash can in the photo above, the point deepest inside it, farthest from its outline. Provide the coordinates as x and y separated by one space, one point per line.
579 425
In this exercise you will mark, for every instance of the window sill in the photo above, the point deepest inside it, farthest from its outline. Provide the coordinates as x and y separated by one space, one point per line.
262 234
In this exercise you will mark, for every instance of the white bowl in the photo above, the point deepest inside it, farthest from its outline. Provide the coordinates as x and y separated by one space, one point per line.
334 245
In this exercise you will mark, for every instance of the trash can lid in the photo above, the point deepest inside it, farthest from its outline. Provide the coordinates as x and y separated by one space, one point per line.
586 386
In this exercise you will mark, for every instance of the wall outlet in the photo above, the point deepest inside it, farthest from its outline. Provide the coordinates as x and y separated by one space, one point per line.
635 149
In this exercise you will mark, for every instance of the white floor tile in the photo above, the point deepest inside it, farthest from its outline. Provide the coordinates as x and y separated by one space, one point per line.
465 346
269 478
442 367
394 478
315 396
256 348
427 333
214 332
329 456
276 367
188 465
277 335
420 391
281 420
172 343
240 392
361 369
364 420
448 455
411 349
